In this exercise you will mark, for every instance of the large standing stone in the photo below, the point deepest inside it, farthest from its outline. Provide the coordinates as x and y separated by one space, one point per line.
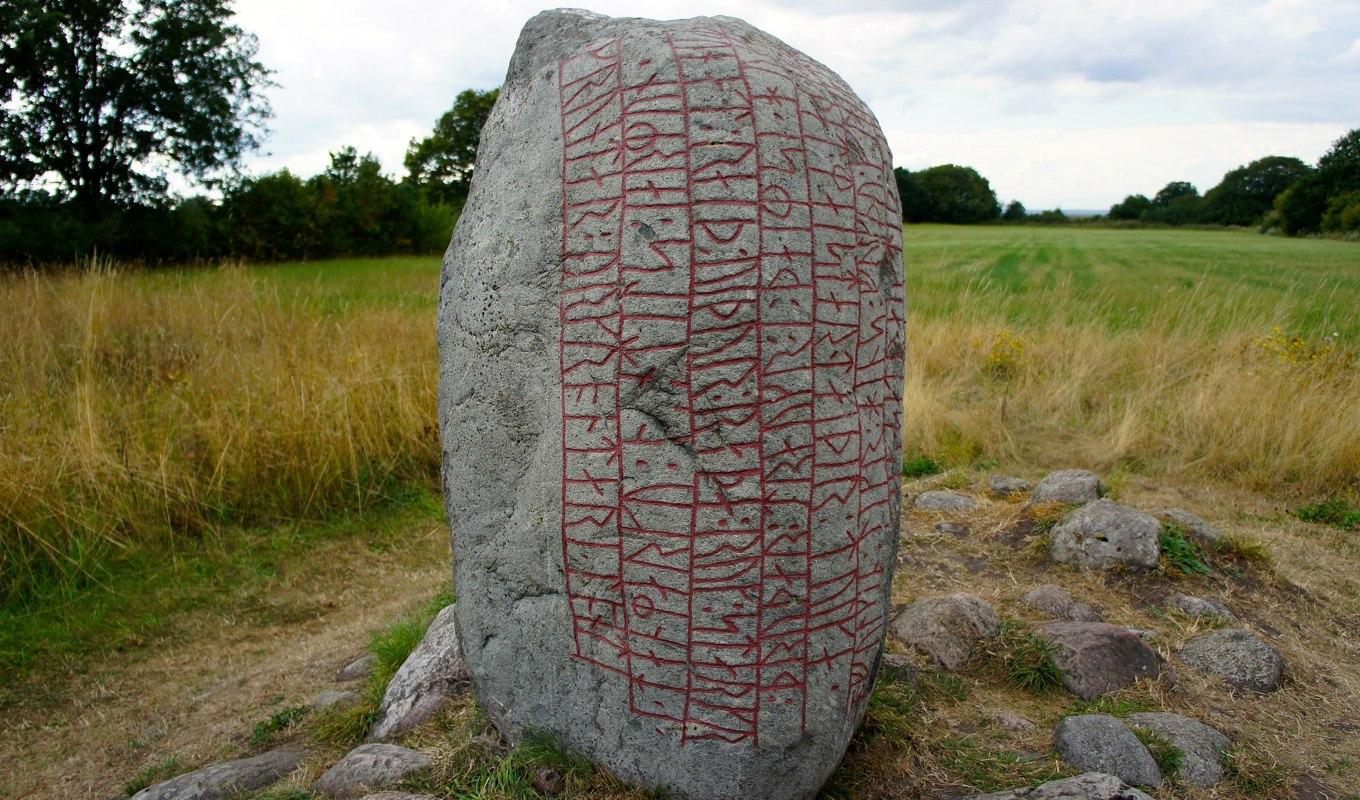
226 779
426 680
1103 533
671 341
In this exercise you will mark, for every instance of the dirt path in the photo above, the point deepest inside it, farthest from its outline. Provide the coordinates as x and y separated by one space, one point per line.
196 699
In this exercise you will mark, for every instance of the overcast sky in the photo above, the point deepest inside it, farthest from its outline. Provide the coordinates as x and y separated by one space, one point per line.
1058 102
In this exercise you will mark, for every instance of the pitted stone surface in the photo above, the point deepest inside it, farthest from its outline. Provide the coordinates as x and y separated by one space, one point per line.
1101 743
1103 533
370 766
226 779
943 500
671 335
1090 786
1202 747
1238 656
1096 658
947 628
1200 607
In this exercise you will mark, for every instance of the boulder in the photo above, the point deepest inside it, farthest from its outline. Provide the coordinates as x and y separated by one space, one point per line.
949 528
358 669
942 500
947 628
671 338
1103 533
1190 523
226 779
1007 486
1090 786
370 766
896 668
1014 722
1200 607
334 698
1055 601
426 680
1202 747
1096 658
1072 486
1238 656
1101 743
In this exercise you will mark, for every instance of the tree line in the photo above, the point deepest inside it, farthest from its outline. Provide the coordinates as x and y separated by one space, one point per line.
102 101
1276 193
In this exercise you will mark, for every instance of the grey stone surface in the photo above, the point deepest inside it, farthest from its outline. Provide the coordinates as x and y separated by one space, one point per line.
1200 607
950 528
1014 722
897 668
946 628
1202 747
705 499
426 680
227 778
1089 786
1096 658
1190 523
1238 656
1056 601
330 698
1101 743
943 500
1068 486
1103 533
375 765
358 669
1007 485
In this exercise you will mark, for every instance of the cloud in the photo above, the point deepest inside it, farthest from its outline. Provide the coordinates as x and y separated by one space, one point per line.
1063 103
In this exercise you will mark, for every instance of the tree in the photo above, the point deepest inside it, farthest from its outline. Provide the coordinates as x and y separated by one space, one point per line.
104 97
1245 194
1176 204
951 193
1015 212
913 199
1172 192
1301 207
442 162
1131 207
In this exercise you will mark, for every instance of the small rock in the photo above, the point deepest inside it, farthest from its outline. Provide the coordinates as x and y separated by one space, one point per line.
1096 658
1068 486
1200 607
370 766
1007 486
896 668
951 528
1190 523
1238 656
939 500
1014 722
549 781
398 796
227 778
1202 747
431 675
1091 786
1103 533
1101 743
946 628
1055 601
334 698
358 669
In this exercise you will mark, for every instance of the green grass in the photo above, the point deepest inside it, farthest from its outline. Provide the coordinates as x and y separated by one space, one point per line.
1026 659
142 598
1121 277
1336 512
266 731
1180 553
1168 756
162 770
920 467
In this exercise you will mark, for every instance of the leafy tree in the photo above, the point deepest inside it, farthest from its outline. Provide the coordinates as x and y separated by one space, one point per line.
1177 203
1131 207
107 96
1015 212
914 206
1343 213
442 162
1172 192
1053 217
1245 194
951 193
1301 207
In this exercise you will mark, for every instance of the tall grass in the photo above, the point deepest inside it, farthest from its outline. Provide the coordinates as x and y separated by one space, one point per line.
138 408
146 408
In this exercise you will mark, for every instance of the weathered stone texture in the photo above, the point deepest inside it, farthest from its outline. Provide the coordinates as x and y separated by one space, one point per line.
671 335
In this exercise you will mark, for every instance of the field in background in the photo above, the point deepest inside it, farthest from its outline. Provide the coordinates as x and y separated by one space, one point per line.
145 409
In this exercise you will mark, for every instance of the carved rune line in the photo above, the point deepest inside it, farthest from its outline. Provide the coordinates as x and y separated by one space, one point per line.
729 377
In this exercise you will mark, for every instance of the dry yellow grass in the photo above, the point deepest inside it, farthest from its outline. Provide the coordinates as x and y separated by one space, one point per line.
137 406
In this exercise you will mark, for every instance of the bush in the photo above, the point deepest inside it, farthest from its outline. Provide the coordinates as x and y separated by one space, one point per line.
946 193
1343 213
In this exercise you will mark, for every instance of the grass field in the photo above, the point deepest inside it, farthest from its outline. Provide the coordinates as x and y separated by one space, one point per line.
203 455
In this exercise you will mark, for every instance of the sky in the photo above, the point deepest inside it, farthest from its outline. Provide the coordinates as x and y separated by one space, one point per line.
1059 103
